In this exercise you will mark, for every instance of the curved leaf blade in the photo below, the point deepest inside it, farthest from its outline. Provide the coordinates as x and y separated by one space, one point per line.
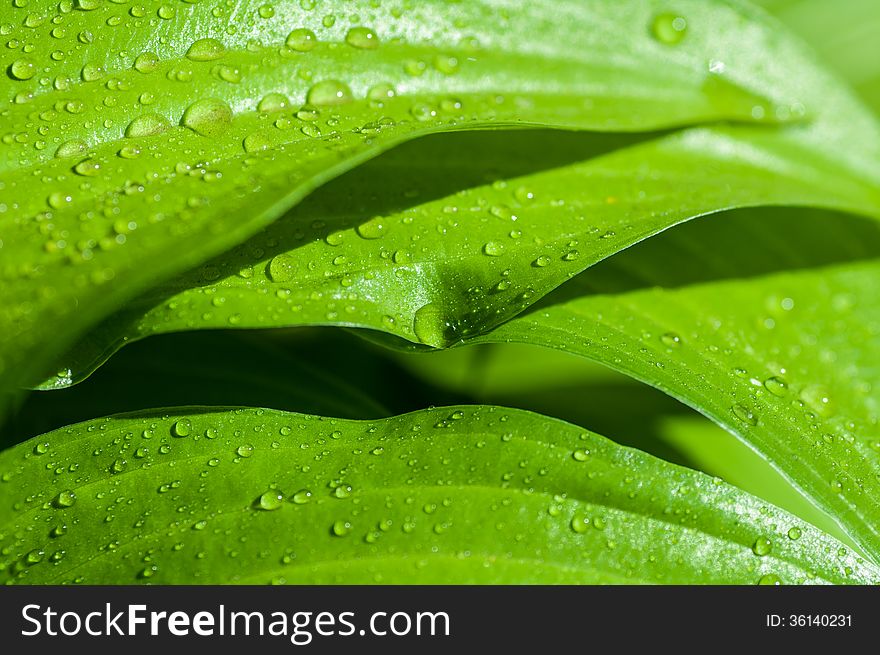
458 495
444 270
785 360
166 157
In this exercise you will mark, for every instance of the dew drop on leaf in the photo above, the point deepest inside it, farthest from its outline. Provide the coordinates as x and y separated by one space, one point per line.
363 38
669 28
273 102
762 546
147 125
181 428
340 528
744 414
209 117
301 40
65 499
206 50
329 93
23 69
269 501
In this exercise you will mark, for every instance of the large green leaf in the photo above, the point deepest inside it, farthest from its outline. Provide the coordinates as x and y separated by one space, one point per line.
451 495
785 360
457 264
842 33
140 140
583 392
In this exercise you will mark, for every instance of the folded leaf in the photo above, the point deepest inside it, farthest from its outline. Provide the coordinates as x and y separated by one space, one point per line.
139 141
454 495
458 264
784 359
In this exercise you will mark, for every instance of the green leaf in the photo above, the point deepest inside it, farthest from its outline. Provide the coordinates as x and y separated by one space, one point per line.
842 34
450 495
785 359
138 143
457 264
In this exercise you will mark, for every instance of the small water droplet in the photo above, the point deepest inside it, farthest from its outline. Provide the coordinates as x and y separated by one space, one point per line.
744 414
302 497
669 28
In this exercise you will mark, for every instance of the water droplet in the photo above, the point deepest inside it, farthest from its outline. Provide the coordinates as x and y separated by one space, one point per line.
541 261
670 340
88 168
146 62
770 579
41 448
777 386
256 141
245 450
34 557
341 528
362 37
206 50
794 533
669 28
118 466
209 117
181 428
744 414
273 102
581 455
302 496
375 228
493 249
430 325
147 125
23 69
301 40
269 501
580 523
65 499
329 93
762 546
72 148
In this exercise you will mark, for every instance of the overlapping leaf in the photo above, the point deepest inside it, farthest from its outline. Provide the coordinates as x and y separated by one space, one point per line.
140 140
454 495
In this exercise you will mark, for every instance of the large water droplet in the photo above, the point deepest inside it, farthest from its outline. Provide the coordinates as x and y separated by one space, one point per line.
362 37
329 93
430 325
147 125
23 69
301 40
269 501
209 117
206 50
